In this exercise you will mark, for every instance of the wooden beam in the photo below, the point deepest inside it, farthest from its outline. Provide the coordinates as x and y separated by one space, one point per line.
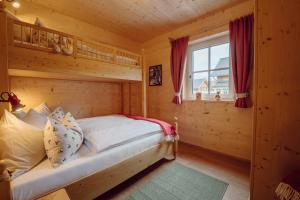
144 85
61 76
37 61
4 83
125 98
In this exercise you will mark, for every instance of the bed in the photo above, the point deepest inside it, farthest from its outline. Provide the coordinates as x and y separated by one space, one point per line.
93 171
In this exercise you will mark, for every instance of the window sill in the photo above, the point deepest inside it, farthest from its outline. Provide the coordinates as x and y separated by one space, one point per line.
210 100
220 101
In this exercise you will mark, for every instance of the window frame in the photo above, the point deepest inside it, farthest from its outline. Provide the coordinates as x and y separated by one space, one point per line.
189 74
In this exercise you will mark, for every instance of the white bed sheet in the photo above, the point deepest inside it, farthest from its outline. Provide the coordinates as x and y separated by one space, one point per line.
43 178
104 132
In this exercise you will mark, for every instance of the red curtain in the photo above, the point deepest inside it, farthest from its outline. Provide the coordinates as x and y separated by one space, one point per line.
241 47
178 58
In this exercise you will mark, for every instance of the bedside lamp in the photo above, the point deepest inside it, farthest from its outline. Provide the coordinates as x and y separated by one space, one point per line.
13 100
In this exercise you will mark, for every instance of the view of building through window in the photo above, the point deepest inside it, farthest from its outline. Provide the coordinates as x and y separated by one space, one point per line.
211 72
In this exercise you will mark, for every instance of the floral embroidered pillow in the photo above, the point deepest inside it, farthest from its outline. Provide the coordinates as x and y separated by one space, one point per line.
70 122
43 108
57 114
62 139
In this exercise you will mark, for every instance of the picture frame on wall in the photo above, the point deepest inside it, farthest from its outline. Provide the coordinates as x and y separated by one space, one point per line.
155 75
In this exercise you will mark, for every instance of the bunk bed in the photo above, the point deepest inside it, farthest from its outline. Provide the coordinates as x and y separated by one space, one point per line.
73 57
34 51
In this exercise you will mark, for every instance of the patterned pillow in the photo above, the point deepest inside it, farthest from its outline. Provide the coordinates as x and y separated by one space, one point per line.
70 122
62 139
43 108
57 114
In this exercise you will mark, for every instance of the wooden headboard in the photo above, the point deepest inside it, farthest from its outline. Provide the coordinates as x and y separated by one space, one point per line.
81 98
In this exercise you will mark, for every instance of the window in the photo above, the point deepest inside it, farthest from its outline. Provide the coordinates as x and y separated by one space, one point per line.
208 69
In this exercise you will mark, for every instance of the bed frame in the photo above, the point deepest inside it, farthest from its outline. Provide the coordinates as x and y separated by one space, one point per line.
96 184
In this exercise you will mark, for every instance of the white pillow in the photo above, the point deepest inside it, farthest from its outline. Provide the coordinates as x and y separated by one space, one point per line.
19 114
21 145
62 139
35 119
43 109
57 114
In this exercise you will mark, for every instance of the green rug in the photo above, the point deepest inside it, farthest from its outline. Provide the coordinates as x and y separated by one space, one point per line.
179 182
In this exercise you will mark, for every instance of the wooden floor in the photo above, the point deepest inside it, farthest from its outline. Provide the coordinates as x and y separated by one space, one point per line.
235 173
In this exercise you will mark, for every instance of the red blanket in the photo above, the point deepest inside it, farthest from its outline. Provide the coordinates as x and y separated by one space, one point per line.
168 129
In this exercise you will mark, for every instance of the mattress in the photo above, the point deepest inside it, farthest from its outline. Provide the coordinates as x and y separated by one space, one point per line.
43 178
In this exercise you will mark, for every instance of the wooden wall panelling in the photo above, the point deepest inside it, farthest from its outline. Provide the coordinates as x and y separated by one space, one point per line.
4 84
276 147
81 98
217 126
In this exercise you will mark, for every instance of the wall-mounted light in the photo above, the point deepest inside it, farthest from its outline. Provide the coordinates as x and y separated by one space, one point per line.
14 101
16 4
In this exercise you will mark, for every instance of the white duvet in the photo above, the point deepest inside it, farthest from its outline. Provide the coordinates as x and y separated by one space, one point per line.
105 132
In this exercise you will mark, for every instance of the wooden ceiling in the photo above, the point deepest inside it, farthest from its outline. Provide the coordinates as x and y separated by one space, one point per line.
139 20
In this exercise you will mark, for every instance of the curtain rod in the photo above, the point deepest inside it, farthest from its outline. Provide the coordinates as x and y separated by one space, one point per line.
192 36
